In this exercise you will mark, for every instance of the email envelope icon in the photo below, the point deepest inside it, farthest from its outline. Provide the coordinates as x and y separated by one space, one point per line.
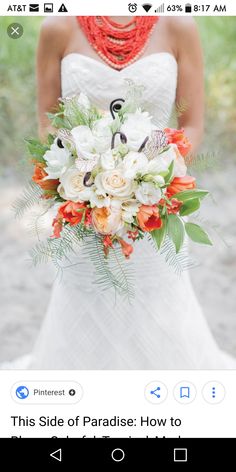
34 7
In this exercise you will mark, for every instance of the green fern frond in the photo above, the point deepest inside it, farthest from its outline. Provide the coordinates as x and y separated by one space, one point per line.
179 262
57 249
214 229
202 162
37 224
28 199
112 272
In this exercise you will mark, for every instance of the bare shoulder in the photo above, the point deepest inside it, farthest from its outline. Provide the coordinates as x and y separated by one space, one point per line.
184 35
53 24
56 31
181 24
183 29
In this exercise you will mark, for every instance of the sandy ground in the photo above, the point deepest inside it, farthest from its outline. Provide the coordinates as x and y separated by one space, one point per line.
25 291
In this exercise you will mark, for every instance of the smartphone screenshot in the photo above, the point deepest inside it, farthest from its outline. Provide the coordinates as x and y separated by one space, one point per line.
117 233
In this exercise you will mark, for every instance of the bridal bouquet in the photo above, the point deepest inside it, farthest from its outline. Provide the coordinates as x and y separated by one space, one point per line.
111 177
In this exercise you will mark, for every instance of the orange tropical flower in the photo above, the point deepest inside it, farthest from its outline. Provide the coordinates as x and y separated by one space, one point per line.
172 208
72 213
127 249
179 184
39 176
57 227
107 243
149 218
133 234
177 136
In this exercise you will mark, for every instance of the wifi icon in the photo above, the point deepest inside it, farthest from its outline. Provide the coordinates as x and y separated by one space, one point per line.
147 7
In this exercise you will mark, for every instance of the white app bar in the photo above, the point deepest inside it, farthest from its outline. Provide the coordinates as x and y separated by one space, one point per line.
118 403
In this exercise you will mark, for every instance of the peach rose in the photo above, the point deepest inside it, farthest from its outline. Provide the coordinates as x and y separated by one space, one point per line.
179 184
177 136
149 218
107 220
39 176
100 219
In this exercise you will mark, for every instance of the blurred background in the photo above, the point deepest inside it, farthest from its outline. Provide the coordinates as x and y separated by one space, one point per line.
25 291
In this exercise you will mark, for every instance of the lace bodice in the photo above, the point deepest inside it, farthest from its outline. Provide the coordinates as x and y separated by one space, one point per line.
157 72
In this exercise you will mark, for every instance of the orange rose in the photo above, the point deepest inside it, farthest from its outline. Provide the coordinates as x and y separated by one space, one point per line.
177 136
149 218
127 249
179 184
39 176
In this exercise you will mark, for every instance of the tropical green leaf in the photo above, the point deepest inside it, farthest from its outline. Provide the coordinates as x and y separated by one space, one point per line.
175 231
190 206
158 235
36 149
170 172
51 139
197 234
189 194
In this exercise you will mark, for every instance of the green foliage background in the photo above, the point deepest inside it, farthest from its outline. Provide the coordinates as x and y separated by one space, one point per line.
18 88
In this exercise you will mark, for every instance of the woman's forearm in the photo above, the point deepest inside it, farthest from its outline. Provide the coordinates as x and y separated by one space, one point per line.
195 136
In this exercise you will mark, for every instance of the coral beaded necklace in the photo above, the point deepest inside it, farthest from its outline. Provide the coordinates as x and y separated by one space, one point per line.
117 44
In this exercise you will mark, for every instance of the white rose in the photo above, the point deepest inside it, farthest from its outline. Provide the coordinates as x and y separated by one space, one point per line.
57 159
72 186
133 163
137 127
173 154
84 142
147 193
113 182
108 160
129 210
83 101
102 134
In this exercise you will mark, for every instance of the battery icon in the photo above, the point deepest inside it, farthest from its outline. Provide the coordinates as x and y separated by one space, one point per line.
188 8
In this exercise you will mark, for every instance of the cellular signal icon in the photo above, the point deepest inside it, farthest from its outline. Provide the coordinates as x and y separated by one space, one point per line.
160 9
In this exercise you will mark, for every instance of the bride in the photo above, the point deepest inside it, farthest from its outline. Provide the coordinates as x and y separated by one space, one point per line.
164 328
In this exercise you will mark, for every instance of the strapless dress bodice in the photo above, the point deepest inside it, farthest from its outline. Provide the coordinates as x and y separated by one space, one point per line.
157 73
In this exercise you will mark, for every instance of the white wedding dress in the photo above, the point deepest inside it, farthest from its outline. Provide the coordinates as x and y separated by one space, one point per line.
164 328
